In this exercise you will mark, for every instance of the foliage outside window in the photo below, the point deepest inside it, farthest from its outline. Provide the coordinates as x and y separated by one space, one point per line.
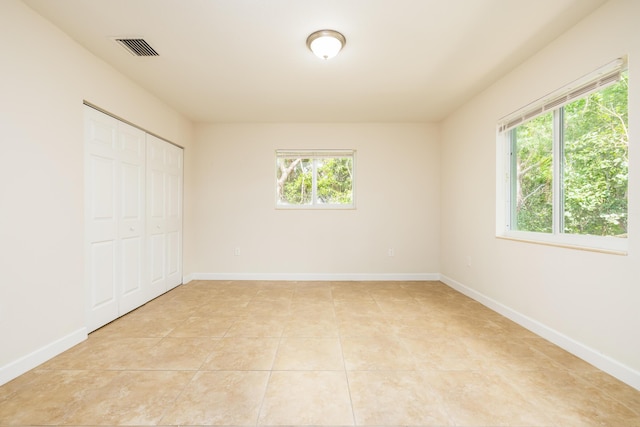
315 179
568 161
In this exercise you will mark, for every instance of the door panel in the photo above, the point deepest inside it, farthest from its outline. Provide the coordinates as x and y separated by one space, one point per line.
174 196
103 302
101 231
131 192
133 292
132 142
157 251
102 183
132 217
164 202
173 259
103 274
101 132
157 195
173 168
156 219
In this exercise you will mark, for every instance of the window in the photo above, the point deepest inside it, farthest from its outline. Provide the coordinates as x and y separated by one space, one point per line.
567 163
315 179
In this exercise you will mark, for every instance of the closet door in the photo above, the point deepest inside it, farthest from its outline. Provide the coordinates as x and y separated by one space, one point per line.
164 207
101 219
131 219
174 174
114 217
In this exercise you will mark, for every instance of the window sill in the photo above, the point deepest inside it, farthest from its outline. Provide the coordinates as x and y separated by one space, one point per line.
605 245
315 207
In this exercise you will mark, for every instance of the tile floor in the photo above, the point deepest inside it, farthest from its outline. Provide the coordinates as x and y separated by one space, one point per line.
323 353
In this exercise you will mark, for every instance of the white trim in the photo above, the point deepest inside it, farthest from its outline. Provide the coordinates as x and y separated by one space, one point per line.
186 279
300 277
317 206
37 357
612 247
308 154
605 363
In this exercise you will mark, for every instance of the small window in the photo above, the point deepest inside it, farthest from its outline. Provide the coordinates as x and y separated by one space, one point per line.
567 172
315 179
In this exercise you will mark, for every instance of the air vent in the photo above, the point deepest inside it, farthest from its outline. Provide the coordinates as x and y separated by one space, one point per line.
137 47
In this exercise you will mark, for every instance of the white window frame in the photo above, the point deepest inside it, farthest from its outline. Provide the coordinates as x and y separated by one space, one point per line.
593 82
315 155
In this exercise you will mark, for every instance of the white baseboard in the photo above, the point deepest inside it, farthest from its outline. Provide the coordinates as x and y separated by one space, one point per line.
35 358
302 277
597 359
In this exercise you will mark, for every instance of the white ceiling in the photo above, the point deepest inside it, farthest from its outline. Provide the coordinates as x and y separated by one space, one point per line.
246 60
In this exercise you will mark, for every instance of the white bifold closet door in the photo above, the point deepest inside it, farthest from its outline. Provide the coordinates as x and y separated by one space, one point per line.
164 214
118 253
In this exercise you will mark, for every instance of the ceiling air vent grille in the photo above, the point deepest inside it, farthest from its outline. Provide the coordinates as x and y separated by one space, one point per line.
137 47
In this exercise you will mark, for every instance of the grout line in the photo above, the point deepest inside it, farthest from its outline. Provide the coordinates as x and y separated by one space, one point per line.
173 403
266 387
344 363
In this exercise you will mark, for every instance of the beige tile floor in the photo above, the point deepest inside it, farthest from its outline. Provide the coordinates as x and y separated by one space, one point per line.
315 354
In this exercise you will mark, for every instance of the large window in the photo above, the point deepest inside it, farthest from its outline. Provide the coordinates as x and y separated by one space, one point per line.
315 179
567 161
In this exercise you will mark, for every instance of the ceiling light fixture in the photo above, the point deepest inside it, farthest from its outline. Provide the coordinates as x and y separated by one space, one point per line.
326 44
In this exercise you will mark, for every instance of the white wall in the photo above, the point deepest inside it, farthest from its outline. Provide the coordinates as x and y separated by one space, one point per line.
397 197
44 78
586 301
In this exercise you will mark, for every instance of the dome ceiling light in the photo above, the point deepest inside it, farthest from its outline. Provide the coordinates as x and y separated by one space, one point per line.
326 44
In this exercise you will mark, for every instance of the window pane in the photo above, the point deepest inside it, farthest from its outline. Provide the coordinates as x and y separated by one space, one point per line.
294 181
335 181
532 144
596 163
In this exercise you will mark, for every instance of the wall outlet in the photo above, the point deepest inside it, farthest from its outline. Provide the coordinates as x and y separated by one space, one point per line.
236 252
391 252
